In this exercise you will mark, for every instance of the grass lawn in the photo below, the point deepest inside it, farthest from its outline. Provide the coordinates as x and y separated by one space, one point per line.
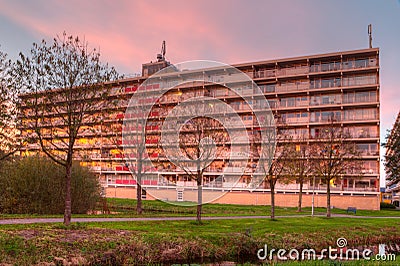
133 243
186 241
156 208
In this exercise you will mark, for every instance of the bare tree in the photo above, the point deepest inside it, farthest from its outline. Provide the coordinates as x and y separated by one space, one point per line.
297 165
65 89
333 155
270 150
275 169
134 147
198 143
9 142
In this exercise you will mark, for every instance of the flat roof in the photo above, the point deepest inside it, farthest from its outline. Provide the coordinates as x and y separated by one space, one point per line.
313 56
247 64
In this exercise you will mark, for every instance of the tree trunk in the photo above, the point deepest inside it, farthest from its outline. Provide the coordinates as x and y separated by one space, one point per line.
199 198
272 186
139 209
68 205
300 196
328 198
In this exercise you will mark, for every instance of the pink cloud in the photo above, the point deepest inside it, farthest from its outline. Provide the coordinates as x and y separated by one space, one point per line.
143 29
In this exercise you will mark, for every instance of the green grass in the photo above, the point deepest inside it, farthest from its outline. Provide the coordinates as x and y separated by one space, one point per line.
160 207
156 208
186 241
257 227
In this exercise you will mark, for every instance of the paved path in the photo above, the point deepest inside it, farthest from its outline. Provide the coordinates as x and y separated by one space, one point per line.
82 220
127 219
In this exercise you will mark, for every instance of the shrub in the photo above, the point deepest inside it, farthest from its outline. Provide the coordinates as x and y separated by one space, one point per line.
385 205
37 185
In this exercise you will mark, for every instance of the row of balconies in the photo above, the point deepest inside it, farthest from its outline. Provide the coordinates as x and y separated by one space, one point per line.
276 72
348 114
367 170
133 182
212 184
305 101
289 121
228 170
359 80
132 89
313 101
360 133
315 68
276 88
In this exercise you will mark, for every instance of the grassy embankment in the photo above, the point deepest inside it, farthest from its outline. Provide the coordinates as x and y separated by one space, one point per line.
186 241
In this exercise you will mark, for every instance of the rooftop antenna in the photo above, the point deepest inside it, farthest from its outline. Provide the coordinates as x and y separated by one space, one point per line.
161 56
370 35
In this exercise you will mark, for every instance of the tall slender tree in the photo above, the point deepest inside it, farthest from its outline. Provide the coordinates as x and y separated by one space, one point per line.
270 151
297 166
275 170
134 148
9 143
333 155
392 162
64 85
199 142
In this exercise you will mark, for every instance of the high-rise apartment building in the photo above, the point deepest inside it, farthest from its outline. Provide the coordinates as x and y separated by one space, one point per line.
304 93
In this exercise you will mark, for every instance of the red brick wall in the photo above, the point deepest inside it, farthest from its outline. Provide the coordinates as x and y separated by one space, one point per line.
370 202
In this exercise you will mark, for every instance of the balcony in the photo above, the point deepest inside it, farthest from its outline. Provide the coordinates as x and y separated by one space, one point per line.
363 63
295 120
291 87
292 71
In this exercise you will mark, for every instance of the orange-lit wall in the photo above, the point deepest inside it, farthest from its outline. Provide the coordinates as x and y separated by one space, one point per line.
370 202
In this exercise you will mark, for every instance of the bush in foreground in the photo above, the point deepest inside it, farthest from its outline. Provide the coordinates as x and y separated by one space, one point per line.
36 185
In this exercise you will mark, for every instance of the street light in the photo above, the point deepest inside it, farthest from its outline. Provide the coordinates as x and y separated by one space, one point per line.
313 192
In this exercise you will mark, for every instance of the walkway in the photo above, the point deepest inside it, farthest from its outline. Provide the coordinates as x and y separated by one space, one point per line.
85 220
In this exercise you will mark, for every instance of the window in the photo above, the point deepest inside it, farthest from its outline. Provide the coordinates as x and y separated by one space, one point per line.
358 80
325 83
360 114
288 102
362 132
370 167
325 116
272 103
294 101
325 66
314 132
368 149
359 63
235 105
292 118
302 101
267 88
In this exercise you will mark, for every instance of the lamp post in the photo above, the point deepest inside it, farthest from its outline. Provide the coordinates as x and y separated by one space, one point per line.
313 193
